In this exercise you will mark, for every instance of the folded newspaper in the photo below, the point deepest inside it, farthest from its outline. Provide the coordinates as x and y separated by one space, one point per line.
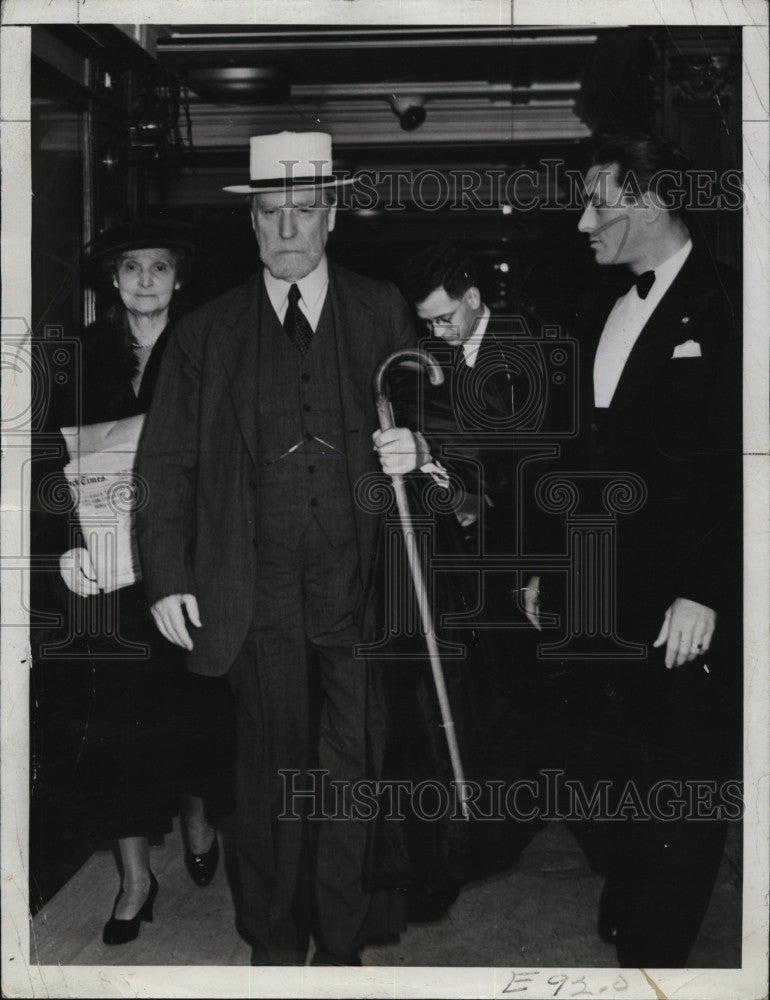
106 493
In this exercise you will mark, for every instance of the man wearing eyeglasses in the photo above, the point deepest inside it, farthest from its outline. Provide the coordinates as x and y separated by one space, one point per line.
487 382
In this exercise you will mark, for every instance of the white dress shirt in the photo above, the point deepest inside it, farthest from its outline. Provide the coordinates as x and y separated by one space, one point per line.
473 343
312 290
624 324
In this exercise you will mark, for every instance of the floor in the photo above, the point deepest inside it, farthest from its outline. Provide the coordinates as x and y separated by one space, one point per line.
540 914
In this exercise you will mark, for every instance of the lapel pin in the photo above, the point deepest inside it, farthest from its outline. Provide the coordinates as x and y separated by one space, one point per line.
685 319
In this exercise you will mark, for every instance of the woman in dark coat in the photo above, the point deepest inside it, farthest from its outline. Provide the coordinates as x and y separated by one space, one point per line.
147 714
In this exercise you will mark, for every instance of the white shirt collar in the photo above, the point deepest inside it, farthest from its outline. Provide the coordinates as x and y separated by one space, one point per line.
473 343
625 323
312 289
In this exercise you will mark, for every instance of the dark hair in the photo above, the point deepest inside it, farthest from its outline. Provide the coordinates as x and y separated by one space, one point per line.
441 265
643 161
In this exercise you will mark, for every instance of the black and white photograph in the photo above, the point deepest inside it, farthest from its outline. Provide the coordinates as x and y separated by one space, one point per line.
385 494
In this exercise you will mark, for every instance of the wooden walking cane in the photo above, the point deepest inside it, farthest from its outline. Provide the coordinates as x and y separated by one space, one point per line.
385 414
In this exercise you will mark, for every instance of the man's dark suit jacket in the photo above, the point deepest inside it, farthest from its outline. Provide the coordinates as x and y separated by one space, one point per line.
494 365
472 407
675 422
199 453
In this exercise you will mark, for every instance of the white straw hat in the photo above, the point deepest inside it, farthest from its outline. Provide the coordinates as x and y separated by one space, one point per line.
289 160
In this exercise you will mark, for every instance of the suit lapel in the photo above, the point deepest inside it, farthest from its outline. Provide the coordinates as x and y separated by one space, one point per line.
238 346
494 359
354 330
667 326
357 353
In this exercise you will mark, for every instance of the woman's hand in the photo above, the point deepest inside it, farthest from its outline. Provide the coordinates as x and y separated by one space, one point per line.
78 572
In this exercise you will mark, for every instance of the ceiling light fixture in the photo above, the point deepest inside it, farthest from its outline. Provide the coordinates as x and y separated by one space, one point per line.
264 84
409 111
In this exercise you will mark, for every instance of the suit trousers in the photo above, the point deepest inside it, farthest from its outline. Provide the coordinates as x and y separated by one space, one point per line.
298 873
635 727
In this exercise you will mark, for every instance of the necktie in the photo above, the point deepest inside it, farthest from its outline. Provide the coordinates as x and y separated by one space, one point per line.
296 324
644 283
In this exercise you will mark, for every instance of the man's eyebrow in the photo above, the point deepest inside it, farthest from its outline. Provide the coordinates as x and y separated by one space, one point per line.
591 189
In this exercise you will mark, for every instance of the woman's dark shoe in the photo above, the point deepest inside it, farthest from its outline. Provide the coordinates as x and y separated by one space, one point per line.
120 931
202 866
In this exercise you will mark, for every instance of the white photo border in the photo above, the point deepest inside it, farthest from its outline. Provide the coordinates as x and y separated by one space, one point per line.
21 975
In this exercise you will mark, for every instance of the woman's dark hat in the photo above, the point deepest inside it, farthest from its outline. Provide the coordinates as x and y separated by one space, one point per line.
138 235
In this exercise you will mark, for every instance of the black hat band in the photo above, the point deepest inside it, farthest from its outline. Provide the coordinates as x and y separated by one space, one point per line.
273 182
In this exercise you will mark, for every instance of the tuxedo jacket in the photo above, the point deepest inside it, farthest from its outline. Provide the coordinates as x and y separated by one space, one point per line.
675 423
199 450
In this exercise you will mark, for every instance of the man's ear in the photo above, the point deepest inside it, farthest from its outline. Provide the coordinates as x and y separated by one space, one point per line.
473 297
331 218
652 205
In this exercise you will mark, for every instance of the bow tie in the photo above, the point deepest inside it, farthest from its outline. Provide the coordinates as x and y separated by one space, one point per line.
644 283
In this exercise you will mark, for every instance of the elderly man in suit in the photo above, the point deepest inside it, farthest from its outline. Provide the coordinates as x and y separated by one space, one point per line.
256 552
661 402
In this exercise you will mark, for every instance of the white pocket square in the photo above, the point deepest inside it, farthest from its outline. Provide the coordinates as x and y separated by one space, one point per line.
689 349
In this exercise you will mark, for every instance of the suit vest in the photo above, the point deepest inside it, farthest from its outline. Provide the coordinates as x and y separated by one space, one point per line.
303 471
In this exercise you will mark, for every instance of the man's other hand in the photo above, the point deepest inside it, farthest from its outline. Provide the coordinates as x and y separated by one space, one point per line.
687 631
169 617
400 450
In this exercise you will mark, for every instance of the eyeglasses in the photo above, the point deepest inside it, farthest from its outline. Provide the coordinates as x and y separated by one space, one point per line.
447 319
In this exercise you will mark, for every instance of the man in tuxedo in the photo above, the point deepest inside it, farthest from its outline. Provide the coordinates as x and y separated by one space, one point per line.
256 552
661 393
